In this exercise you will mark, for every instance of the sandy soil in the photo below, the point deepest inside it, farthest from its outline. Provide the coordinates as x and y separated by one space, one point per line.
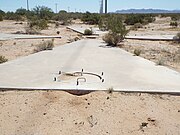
98 113
13 49
167 53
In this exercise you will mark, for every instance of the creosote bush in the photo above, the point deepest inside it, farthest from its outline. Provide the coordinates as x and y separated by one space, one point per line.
117 31
177 56
137 52
136 26
45 45
88 32
160 61
1 18
173 24
3 59
112 39
38 24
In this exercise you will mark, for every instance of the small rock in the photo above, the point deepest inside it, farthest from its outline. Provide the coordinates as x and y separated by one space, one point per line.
144 124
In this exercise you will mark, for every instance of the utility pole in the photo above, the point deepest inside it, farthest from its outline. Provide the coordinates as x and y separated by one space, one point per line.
56 7
27 5
106 6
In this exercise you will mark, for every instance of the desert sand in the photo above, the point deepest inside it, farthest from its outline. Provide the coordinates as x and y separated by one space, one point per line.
98 113
13 49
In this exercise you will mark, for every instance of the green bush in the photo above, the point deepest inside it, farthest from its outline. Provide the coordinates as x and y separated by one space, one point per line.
14 16
173 24
90 18
112 39
32 31
3 59
38 24
63 17
175 17
160 62
46 45
136 26
88 32
1 18
43 12
117 31
139 18
137 52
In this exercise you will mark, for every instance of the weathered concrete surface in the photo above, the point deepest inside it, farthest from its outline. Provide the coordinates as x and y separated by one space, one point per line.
152 37
4 36
81 29
147 37
122 70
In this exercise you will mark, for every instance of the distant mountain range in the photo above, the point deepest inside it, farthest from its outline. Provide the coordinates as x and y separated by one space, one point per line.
128 11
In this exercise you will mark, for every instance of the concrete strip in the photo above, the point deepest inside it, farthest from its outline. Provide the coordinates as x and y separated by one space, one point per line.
150 37
81 30
4 36
121 70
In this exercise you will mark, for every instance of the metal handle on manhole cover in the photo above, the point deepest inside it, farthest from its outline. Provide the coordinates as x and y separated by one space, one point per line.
82 78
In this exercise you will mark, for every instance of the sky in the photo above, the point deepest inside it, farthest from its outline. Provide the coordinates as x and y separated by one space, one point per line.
90 5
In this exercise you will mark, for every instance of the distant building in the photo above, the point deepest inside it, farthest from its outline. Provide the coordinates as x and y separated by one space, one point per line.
101 7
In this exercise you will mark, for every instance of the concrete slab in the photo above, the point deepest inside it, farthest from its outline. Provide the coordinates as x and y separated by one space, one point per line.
121 70
4 36
96 31
80 29
152 37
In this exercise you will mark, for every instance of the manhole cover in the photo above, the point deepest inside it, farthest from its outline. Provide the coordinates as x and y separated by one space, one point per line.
79 78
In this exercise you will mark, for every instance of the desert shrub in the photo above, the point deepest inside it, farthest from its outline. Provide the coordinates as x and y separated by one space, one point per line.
43 12
139 18
175 17
38 24
2 12
173 24
160 61
1 18
88 32
90 18
112 39
63 17
14 16
137 52
177 56
117 31
177 37
32 31
45 45
3 59
103 23
137 26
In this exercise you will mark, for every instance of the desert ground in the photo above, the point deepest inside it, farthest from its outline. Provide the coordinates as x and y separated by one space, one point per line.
165 52
97 113
13 49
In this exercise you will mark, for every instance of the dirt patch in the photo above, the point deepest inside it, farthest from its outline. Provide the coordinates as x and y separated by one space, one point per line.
13 49
57 113
161 52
